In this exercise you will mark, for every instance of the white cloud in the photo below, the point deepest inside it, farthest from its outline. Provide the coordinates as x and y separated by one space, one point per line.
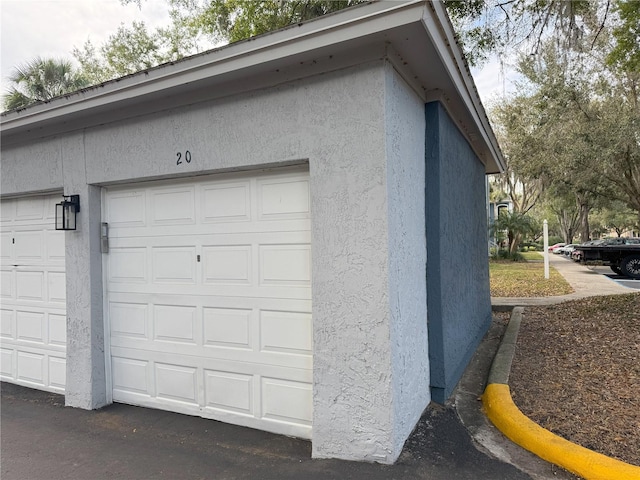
494 81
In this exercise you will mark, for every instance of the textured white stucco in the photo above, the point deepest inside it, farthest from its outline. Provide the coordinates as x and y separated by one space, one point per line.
86 381
405 144
32 167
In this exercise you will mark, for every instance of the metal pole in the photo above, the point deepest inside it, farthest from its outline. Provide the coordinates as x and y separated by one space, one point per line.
545 234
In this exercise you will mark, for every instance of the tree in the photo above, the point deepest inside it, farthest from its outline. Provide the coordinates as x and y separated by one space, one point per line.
517 225
574 124
490 26
626 52
484 26
616 217
41 79
133 49
234 20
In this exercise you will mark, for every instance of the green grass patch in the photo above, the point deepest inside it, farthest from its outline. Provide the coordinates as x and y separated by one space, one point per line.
525 279
532 256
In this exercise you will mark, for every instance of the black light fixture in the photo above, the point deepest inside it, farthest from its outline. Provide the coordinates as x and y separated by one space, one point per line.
66 212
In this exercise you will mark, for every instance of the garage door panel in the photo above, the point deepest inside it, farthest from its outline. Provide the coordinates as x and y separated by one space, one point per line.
29 209
7 363
57 372
240 293
54 241
56 287
123 356
283 198
209 295
33 331
29 247
285 265
286 401
213 233
286 332
7 211
30 286
7 282
6 245
31 367
125 209
228 328
57 329
31 326
132 297
229 391
176 382
128 265
172 206
174 264
226 202
7 323
128 319
129 375
173 352
175 323
227 264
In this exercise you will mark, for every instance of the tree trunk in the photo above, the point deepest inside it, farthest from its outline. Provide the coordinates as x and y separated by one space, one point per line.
584 208
585 233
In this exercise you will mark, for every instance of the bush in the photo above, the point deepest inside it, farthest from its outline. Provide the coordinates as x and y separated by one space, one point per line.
531 247
505 255
555 239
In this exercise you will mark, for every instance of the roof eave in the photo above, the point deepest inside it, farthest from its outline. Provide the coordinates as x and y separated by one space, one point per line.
350 26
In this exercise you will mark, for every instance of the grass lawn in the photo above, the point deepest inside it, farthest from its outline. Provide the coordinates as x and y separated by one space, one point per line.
529 256
525 279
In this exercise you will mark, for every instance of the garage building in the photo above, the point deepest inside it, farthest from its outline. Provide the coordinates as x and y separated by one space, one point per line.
268 233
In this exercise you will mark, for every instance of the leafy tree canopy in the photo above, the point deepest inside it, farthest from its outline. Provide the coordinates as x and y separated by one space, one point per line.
41 79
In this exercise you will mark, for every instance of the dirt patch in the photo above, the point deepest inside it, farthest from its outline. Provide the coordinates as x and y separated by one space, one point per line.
576 372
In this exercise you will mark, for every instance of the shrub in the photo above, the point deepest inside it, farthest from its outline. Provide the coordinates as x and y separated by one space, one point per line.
505 255
555 239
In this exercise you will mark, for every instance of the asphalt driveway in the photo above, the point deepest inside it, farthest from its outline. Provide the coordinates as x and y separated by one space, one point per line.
42 439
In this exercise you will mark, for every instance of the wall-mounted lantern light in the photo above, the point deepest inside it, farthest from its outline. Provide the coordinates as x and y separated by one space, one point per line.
66 212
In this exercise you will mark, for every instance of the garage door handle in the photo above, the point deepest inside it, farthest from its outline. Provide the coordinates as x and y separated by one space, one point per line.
104 237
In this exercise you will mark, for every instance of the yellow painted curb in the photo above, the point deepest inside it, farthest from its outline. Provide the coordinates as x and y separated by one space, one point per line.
516 426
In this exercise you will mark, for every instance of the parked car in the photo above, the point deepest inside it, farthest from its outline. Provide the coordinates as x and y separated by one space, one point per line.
553 248
577 254
567 249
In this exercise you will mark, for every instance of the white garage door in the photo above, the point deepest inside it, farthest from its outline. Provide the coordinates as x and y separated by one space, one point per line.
33 328
209 298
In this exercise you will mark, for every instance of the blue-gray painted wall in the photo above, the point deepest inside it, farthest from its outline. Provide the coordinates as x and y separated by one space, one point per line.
459 302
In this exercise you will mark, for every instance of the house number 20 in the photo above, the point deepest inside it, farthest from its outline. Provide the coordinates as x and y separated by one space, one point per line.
187 157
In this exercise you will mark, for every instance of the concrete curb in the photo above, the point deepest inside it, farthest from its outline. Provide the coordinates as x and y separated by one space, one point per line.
506 416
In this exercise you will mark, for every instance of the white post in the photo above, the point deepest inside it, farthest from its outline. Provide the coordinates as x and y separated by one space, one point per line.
545 234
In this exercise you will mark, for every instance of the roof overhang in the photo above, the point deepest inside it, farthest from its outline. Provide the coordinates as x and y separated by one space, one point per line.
414 35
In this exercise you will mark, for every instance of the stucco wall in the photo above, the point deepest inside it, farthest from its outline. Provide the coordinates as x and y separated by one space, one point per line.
405 139
86 381
457 263
368 375
35 167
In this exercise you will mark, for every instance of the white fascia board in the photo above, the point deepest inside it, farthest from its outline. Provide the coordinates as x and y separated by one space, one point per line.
440 31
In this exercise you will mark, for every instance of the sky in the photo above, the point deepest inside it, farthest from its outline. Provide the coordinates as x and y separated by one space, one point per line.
52 28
